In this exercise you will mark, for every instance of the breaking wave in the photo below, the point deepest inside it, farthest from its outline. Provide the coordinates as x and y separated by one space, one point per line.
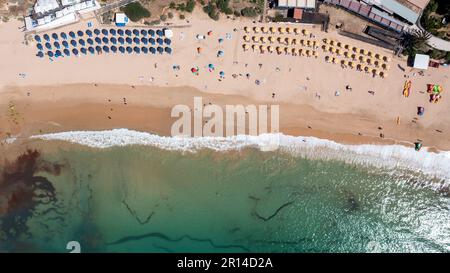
382 156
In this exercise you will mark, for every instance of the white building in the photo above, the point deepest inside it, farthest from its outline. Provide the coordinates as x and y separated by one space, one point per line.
48 14
304 4
421 61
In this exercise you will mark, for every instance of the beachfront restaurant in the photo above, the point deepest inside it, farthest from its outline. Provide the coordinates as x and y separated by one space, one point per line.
49 14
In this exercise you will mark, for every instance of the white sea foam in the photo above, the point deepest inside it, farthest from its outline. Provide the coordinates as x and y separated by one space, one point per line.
386 156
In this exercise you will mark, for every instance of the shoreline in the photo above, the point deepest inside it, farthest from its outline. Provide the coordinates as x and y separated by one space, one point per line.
88 107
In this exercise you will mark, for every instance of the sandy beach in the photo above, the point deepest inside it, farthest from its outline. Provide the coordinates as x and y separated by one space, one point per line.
88 92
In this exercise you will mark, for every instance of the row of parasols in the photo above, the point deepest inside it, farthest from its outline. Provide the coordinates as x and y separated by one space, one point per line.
274 30
96 32
377 61
360 67
281 40
281 49
105 49
336 45
105 40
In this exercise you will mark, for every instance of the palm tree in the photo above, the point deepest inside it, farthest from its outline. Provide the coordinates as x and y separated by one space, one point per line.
414 40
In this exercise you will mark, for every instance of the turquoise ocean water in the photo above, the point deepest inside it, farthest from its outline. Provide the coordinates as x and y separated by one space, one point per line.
144 199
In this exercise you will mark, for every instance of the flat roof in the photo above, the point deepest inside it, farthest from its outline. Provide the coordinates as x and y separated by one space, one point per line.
421 61
399 9
297 3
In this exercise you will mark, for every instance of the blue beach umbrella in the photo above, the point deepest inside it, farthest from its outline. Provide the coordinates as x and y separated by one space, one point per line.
152 41
48 45
105 32
98 40
160 50
160 41
128 32
129 49
105 49
37 38
81 42
136 32
40 54
50 53
90 41
63 35
144 32
136 40
72 34
152 50
55 36
39 46
137 50
73 43
120 32
66 52
144 50
65 44
114 49
113 40
80 33
129 40
122 49
160 33
222 74
168 50
83 50
121 40
75 51
57 45
105 40
91 50
89 33
144 40
220 53
98 49
112 32
151 32
46 37
58 53
97 31
167 41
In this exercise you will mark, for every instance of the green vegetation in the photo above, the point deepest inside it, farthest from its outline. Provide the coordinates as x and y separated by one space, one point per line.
211 10
135 11
414 42
249 12
434 16
188 6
